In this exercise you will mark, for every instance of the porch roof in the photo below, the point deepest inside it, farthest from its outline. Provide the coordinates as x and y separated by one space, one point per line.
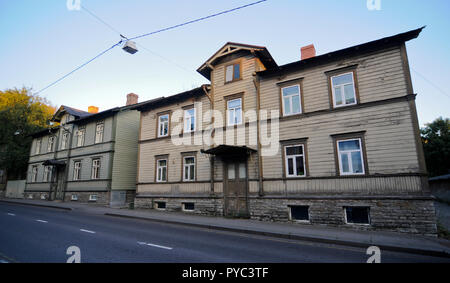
54 162
229 150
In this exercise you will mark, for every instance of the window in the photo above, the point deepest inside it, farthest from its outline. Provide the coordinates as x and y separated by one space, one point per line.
163 125
231 172
80 136
34 172
51 143
160 205
350 157
47 173
188 206
232 72
189 120
343 89
95 169
99 132
357 215
234 112
38 146
93 198
77 170
64 140
189 169
161 170
299 213
295 161
291 100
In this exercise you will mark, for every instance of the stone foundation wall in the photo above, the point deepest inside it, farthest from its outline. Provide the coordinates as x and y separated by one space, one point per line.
36 195
416 216
203 206
83 197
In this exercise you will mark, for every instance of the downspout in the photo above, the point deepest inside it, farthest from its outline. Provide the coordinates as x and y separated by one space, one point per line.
257 84
54 167
211 158
66 173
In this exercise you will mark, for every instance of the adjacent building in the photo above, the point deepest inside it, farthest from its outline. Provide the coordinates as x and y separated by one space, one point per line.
330 139
90 157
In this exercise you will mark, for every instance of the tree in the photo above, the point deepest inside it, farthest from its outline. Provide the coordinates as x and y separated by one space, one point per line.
436 145
21 114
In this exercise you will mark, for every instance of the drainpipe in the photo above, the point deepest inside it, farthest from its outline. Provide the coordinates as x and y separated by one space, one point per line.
66 173
257 84
54 167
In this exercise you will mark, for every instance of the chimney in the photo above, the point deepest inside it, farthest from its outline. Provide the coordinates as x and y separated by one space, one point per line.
308 52
132 99
93 109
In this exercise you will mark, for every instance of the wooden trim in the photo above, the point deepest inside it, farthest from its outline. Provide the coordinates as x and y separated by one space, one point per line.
158 115
228 98
158 158
289 143
336 72
346 177
289 82
183 156
286 84
354 135
232 63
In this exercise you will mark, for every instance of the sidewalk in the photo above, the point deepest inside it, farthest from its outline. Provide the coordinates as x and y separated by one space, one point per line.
384 240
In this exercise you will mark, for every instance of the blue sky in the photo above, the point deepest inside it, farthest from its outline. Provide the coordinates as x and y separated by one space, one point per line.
43 40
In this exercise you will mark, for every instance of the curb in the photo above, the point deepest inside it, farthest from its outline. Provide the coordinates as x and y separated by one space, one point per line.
37 204
435 253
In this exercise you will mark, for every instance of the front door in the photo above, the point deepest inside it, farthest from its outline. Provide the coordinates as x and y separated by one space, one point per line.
236 189
60 183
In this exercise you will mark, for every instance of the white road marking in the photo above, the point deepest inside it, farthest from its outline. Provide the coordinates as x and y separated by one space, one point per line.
42 221
155 246
11 214
87 231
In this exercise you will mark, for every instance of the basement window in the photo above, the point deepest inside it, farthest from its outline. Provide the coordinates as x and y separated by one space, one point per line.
188 206
74 198
299 213
92 197
160 205
357 215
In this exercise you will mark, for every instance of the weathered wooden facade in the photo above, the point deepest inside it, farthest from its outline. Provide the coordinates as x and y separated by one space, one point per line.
90 157
348 150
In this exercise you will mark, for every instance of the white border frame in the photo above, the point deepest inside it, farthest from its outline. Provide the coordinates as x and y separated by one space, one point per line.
299 97
287 164
350 165
354 90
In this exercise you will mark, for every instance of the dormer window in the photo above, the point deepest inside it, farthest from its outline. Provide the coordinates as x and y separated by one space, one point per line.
233 72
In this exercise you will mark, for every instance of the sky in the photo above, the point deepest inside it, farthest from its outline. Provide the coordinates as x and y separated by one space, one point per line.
44 40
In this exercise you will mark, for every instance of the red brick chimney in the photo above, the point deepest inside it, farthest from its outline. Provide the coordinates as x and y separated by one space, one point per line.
308 52
132 99
93 109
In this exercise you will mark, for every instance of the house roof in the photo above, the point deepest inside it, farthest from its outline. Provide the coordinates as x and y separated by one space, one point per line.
70 110
356 50
152 104
260 52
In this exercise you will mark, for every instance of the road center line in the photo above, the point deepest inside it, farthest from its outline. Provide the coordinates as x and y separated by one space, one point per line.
42 221
155 246
11 214
87 231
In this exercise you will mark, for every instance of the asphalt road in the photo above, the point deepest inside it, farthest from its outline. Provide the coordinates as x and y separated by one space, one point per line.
36 234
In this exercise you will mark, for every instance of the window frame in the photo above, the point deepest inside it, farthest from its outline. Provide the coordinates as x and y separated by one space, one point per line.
185 166
228 101
186 111
159 123
77 170
233 64
64 139
95 169
291 218
34 173
47 174
37 149
157 167
81 130
339 72
286 160
368 208
51 146
98 133
300 98
361 152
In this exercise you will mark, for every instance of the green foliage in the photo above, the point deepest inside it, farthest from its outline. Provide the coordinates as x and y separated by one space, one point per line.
436 144
21 114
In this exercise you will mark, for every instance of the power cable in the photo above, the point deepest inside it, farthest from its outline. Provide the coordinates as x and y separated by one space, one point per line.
431 83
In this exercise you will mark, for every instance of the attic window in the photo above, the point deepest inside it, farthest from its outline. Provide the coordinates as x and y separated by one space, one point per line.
232 72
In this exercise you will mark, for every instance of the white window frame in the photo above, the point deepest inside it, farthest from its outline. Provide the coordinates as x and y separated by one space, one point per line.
95 172
188 118
294 158
37 150
162 125
34 173
342 90
159 168
47 174
77 170
348 152
64 140
81 133
290 100
99 133
51 144
233 110
187 167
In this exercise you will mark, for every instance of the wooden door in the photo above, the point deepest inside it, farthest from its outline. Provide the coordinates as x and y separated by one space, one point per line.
236 189
60 183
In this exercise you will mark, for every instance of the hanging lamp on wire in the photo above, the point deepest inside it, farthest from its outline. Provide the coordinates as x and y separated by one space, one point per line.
129 46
